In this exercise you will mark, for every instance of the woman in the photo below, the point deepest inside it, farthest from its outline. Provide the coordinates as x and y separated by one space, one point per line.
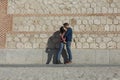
62 43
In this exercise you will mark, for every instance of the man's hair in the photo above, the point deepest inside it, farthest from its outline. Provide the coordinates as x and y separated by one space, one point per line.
65 24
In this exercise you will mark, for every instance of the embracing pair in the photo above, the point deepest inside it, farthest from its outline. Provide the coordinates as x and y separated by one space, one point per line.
66 39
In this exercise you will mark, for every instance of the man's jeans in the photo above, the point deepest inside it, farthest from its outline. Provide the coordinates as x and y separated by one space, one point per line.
68 47
60 51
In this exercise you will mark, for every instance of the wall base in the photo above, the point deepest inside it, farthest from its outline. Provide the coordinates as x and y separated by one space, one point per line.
40 56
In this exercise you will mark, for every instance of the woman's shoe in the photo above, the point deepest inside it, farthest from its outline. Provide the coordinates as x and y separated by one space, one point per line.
58 62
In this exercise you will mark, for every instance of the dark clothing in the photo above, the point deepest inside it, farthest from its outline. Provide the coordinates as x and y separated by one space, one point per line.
68 35
62 30
62 33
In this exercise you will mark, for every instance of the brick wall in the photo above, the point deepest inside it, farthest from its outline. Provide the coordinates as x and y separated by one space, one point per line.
5 22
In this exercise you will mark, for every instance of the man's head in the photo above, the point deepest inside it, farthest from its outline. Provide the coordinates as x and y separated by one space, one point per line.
66 25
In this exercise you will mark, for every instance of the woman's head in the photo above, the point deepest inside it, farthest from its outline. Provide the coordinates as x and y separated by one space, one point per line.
62 29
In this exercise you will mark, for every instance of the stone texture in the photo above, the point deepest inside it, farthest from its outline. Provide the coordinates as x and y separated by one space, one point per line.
42 56
102 56
53 23
52 40
62 7
114 57
59 73
21 56
34 24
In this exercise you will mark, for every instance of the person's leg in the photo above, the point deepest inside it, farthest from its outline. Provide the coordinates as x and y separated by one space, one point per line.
64 55
60 51
68 46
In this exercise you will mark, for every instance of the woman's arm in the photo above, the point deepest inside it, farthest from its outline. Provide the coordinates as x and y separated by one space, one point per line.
63 38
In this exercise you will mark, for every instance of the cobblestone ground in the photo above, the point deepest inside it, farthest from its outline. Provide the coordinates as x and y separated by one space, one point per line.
59 73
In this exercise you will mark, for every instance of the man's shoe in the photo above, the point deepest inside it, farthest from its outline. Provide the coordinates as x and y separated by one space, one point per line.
66 62
70 62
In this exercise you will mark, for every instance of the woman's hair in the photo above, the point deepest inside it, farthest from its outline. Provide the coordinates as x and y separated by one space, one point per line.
62 30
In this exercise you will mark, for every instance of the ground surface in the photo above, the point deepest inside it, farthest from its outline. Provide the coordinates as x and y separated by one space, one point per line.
59 72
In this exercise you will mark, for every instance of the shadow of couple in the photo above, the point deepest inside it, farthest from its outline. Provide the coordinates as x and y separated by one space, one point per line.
52 48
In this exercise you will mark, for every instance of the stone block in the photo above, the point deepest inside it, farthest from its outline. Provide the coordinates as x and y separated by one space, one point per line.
20 45
28 45
16 39
82 40
102 45
114 57
15 57
102 56
9 39
36 45
94 45
2 56
21 56
43 35
24 39
90 39
118 45
34 56
84 57
11 44
112 45
96 21
79 45
85 45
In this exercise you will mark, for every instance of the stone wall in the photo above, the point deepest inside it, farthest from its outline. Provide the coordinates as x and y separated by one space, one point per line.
34 24
63 6
78 23
42 40
95 23
29 30
40 56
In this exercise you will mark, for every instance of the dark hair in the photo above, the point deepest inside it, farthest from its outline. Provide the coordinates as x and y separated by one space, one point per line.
65 24
62 30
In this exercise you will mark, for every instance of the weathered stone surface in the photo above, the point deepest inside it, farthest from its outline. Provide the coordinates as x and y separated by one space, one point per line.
59 73
114 57
38 40
61 7
79 24
42 56
102 56
85 57
34 29
20 45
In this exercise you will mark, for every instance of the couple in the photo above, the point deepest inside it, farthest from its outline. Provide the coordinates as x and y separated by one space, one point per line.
66 39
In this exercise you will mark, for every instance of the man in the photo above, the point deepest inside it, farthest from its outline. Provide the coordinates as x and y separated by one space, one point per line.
68 36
